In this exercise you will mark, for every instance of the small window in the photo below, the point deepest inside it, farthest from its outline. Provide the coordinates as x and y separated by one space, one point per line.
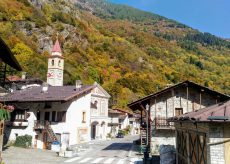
52 62
53 116
18 115
59 63
93 105
178 111
83 117
61 116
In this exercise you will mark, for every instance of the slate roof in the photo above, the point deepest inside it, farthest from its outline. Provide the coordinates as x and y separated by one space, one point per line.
215 113
7 57
54 93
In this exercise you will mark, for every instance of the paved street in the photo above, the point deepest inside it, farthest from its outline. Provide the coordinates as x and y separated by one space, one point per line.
116 151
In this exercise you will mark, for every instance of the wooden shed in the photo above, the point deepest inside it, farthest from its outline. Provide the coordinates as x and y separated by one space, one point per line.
203 136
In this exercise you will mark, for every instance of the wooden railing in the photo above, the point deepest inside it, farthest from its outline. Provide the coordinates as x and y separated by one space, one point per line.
39 124
42 124
162 123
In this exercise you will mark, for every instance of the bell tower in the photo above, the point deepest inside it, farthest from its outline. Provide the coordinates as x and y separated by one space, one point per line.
55 66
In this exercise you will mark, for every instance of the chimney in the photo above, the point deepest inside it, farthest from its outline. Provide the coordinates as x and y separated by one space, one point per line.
78 84
44 87
23 75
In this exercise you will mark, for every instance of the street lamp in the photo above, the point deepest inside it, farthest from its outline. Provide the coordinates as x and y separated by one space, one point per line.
147 131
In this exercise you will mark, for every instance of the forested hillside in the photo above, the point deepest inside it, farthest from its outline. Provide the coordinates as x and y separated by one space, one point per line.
131 53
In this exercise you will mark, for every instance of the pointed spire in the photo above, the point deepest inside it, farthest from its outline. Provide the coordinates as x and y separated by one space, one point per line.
56 47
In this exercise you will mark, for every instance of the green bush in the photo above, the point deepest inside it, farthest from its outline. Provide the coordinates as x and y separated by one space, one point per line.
23 141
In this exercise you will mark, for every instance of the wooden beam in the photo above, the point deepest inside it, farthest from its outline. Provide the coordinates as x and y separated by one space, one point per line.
173 102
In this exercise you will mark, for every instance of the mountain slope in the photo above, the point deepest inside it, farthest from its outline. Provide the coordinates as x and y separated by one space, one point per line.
130 52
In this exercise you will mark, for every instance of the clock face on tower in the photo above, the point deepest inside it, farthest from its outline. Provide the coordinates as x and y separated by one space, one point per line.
50 73
59 74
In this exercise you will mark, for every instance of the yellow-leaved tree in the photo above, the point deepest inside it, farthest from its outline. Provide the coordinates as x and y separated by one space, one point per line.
23 54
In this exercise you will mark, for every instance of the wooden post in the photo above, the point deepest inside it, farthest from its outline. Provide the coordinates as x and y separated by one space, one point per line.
200 100
155 114
173 102
187 97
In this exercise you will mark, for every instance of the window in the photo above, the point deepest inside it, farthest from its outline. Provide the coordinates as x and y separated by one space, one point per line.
94 105
59 63
103 106
178 111
53 116
61 116
18 115
83 117
52 62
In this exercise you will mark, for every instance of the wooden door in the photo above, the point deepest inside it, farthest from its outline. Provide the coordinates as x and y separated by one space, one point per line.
197 148
45 140
93 131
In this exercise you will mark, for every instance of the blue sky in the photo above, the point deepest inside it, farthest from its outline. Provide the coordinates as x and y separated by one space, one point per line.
211 16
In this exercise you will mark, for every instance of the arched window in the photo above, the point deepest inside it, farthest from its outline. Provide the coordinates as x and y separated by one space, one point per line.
59 63
52 62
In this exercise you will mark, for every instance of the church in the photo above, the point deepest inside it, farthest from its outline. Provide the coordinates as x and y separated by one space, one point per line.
54 112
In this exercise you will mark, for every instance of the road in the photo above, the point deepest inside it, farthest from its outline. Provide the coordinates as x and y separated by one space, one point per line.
116 151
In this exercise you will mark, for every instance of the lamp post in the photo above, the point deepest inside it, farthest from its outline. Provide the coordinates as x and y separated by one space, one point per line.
147 131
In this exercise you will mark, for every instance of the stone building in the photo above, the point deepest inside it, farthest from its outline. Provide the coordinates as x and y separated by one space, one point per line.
204 136
181 98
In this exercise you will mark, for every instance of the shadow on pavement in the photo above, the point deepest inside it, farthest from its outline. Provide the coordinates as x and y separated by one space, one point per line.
5 148
119 146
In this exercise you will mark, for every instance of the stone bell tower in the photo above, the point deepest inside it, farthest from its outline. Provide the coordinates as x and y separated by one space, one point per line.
55 66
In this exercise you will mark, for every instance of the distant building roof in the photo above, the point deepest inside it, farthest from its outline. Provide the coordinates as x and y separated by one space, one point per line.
7 57
123 111
13 78
17 79
215 113
56 47
54 93
111 111
146 99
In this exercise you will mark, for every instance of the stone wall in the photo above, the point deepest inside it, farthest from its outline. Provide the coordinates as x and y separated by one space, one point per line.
164 137
216 151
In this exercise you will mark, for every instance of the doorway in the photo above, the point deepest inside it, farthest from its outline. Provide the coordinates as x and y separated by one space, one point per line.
94 129
47 116
45 140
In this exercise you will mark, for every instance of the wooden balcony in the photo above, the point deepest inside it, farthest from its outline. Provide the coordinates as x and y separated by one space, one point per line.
162 123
